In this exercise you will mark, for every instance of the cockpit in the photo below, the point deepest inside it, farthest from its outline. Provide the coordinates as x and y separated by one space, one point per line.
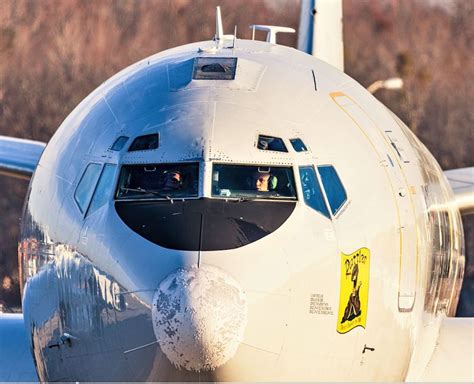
229 181
201 205
208 206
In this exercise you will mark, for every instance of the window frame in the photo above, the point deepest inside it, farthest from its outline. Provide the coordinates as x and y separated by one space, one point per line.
294 199
83 213
111 148
114 181
157 198
272 137
302 142
129 150
224 62
321 189
337 213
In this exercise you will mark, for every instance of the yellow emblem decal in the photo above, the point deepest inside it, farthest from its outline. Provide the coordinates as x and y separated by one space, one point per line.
354 293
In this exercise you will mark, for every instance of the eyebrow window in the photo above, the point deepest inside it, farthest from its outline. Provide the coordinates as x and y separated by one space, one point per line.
145 143
312 193
119 143
333 187
270 143
298 145
85 188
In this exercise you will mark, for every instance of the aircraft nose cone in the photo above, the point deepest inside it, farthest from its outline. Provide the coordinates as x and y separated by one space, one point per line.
199 317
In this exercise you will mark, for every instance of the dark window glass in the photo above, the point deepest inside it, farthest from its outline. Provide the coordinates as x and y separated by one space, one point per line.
158 181
332 185
103 192
119 143
298 145
86 186
253 182
269 143
144 143
312 194
214 68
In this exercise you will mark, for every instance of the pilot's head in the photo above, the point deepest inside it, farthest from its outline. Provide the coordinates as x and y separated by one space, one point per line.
173 180
260 181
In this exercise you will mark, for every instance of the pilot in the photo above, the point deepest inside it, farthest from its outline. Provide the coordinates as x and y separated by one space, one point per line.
173 181
264 182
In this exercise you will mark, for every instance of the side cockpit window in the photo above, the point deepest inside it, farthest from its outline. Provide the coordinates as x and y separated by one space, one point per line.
270 143
333 187
145 143
103 191
158 181
86 186
253 182
312 193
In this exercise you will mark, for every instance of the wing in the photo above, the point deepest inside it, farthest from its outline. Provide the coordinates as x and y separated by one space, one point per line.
16 361
462 183
19 157
452 359
320 31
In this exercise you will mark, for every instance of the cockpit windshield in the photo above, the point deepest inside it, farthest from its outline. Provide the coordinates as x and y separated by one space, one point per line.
158 181
253 182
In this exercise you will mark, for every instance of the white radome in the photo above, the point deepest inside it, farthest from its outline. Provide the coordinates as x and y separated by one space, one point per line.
199 317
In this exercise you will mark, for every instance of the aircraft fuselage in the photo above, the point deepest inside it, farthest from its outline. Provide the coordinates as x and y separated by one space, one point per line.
330 273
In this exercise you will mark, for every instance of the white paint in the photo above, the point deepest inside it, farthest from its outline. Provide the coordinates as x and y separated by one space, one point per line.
199 317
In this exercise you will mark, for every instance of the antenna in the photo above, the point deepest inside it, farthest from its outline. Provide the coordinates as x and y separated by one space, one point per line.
235 36
271 30
219 37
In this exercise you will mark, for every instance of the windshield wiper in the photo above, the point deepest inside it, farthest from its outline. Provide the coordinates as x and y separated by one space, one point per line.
240 199
260 198
150 191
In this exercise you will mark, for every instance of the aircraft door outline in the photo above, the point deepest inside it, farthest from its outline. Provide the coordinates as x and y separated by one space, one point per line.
407 228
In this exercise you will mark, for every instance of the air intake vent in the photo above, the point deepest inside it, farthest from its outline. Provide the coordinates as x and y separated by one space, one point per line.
214 68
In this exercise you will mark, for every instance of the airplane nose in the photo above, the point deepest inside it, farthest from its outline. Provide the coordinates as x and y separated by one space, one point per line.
199 317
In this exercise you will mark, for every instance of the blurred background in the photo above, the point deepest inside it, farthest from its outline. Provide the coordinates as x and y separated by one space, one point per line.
55 52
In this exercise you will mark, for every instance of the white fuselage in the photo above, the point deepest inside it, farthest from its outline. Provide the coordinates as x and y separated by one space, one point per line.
271 309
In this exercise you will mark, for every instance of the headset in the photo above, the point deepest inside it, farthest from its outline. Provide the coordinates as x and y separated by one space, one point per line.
272 181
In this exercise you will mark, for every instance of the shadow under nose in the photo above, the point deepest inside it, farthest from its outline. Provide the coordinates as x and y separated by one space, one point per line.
204 224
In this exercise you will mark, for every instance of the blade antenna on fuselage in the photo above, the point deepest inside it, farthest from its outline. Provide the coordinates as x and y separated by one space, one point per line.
219 36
